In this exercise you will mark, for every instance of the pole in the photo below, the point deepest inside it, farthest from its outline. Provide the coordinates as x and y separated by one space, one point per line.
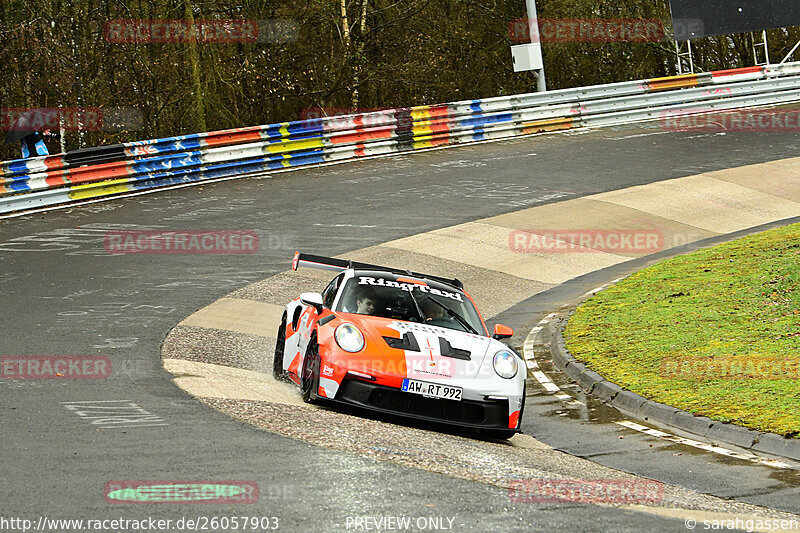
533 29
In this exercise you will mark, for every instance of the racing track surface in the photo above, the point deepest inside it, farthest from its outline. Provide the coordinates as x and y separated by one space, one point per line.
64 295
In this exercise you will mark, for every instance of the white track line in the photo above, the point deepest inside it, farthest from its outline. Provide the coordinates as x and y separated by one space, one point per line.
530 361
601 288
701 445
552 388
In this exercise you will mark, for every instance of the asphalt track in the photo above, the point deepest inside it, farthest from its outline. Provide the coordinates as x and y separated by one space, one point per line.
64 295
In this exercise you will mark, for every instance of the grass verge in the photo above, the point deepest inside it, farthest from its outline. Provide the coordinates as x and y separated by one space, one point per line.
715 332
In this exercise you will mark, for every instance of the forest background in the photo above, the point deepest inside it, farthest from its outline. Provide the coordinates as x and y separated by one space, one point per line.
310 57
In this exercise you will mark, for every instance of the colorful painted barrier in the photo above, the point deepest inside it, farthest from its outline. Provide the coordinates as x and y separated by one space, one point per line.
141 165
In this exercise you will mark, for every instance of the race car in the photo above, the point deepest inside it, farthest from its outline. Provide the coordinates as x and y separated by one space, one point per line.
403 343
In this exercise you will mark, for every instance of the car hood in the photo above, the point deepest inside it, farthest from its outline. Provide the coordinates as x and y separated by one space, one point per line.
432 352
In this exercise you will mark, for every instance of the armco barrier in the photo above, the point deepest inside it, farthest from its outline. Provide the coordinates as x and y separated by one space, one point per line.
141 165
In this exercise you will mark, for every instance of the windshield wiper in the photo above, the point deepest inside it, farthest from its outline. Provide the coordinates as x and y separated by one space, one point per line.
419 309
461 320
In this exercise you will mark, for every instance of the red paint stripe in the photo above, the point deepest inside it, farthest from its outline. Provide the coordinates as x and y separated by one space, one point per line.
440 126
439 111
105 171
238 137
54 162
350 138
410 280
56 178
736 71
440 141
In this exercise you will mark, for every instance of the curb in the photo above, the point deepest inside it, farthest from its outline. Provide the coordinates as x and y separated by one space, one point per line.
642 409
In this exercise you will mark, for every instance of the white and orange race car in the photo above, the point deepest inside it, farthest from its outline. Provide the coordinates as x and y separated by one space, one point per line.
400 342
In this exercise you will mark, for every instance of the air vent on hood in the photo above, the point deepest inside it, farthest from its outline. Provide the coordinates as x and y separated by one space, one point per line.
449 351
406 342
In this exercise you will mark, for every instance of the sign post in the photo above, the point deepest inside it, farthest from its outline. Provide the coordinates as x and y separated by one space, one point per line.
529 56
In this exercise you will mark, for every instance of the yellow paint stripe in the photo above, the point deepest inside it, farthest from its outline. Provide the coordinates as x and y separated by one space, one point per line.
421 112
93 190
291 146
673 82
284 129
553 124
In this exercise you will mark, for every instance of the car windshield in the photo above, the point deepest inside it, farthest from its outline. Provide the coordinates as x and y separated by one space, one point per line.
402 299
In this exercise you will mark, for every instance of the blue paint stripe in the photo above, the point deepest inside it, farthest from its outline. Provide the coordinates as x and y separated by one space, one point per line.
482 120
231 168
154 164
18 166
21 185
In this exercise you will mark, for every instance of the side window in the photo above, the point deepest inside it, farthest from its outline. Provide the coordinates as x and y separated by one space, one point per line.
329 294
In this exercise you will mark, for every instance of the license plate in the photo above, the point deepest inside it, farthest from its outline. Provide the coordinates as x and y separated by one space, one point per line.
434 390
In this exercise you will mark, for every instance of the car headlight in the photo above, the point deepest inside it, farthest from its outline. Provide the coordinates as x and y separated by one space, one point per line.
349 338
505 364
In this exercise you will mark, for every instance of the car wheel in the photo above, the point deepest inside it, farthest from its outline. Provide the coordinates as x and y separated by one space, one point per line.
277 362
309 382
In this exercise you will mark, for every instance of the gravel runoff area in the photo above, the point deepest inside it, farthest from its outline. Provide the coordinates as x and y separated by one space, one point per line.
493 463
369 435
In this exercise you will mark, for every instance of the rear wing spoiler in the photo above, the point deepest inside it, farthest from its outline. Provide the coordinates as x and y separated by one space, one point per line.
338 265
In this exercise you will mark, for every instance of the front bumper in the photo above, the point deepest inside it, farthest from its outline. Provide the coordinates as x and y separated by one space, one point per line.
479 414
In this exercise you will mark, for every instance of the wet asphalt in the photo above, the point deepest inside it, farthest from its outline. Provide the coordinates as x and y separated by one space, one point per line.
63 294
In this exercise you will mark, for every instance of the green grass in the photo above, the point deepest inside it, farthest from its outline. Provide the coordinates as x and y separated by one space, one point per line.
715 332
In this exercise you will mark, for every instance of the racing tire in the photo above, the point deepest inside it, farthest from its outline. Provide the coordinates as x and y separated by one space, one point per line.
309 378
277 362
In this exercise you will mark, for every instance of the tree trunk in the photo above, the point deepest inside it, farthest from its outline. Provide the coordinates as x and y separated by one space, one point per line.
359 55
197 114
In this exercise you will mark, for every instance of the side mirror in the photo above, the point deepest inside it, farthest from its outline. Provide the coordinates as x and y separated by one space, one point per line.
502 332
314 299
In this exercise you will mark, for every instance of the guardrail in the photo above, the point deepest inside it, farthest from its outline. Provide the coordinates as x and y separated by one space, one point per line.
123 168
